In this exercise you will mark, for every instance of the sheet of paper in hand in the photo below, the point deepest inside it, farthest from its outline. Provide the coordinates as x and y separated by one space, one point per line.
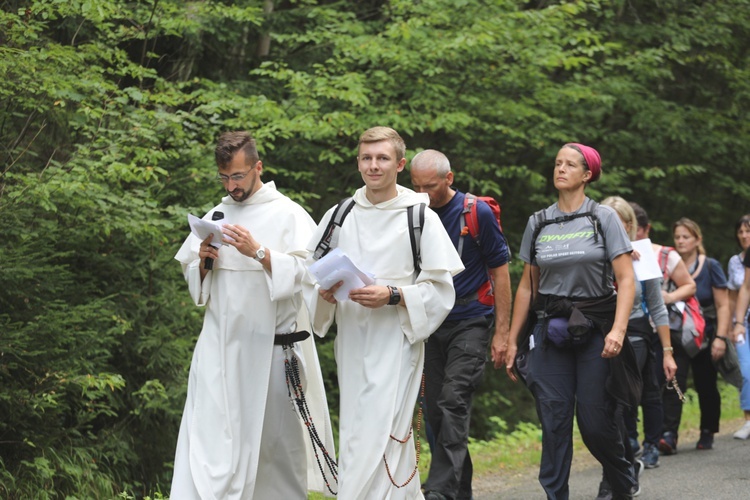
337 266
201 228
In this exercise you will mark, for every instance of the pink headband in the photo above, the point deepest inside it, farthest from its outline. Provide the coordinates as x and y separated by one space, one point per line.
593 160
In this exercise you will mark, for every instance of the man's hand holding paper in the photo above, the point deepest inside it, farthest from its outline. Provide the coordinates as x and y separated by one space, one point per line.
202 229
336 267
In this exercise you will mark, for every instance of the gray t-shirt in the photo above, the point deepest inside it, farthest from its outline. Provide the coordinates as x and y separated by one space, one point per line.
570 258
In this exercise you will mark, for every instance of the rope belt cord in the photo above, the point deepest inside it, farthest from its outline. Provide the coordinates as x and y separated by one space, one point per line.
406 439
299 403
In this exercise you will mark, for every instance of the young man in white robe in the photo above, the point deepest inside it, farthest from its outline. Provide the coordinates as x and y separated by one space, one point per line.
240 437
381 328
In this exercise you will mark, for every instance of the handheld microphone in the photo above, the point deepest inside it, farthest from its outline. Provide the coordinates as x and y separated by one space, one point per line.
209 263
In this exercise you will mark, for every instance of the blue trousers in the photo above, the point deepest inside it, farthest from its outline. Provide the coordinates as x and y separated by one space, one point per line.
571 380
743 354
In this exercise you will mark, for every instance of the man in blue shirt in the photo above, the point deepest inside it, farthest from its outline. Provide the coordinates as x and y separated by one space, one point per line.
456 353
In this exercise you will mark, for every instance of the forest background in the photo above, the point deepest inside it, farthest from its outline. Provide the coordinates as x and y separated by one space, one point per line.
109 111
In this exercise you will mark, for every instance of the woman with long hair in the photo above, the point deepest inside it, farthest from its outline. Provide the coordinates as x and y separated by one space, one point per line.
712 294
571 251
736 275
677 286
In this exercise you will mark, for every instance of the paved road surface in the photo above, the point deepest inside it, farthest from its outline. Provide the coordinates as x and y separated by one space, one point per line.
718 474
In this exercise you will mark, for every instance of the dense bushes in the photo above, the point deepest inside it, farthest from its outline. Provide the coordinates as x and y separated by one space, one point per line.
109 110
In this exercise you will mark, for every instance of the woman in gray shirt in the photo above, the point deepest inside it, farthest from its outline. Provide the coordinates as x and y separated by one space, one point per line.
571 250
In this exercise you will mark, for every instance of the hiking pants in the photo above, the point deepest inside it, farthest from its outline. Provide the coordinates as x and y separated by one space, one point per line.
455 356
704 381
567 380
653 412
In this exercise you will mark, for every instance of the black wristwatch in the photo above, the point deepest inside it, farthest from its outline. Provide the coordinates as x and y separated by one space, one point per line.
395 296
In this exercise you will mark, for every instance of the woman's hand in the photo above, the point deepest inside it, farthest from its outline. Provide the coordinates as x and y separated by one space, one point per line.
510 361
613 344
669 365
718 348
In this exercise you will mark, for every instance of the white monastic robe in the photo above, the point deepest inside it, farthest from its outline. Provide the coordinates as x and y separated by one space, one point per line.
219 454
380 352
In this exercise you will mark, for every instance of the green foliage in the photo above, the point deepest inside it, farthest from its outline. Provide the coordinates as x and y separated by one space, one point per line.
109 111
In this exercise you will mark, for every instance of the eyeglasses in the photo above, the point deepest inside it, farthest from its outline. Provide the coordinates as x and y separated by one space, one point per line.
234 177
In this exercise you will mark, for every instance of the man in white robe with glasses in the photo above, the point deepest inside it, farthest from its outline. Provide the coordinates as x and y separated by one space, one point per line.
241 436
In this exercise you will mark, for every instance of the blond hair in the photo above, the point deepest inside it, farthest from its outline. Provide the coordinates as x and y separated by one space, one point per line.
377 134
626 213
694 229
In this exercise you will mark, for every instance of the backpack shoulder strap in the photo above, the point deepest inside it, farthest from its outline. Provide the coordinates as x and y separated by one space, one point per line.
472 221
663 260
330 238
415 216
470 224
699 262
540 219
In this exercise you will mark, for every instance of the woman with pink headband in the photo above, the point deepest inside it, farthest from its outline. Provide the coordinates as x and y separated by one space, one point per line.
573 351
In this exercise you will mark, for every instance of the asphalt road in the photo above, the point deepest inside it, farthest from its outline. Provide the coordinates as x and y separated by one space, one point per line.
718 474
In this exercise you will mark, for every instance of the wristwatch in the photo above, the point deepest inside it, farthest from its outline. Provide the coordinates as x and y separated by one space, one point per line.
395 296
260 253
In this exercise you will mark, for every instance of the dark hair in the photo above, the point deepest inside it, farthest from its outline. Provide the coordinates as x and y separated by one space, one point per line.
743 221
229 143
640 215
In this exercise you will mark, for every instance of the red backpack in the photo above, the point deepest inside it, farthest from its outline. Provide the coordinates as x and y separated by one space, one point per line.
691 323
470 226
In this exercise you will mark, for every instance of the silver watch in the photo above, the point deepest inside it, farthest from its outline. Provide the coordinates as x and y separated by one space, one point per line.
260 253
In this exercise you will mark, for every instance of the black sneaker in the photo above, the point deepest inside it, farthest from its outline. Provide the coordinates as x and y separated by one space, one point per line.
636 447
605 491
668 443
434 495
706 441
634 492
638 466
650 456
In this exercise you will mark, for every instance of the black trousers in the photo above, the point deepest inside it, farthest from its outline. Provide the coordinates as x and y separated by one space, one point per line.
653 412
704 381
568 381
455 357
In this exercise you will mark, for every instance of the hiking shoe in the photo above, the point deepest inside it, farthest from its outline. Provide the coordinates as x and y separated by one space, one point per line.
668 443
638 466
636 447
650 456
634 492
605 491
434 495
706 441
744 431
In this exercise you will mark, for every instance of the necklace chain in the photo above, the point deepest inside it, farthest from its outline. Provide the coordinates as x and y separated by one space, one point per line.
299 403
406 439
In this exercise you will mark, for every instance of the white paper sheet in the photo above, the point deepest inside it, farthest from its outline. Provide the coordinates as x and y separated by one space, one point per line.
646 268
337 266
202 228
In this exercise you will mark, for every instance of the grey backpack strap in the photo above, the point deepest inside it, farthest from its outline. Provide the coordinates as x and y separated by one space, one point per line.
416 223
331 235
540 219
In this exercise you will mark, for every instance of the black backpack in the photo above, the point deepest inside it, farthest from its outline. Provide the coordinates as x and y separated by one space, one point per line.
330 238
